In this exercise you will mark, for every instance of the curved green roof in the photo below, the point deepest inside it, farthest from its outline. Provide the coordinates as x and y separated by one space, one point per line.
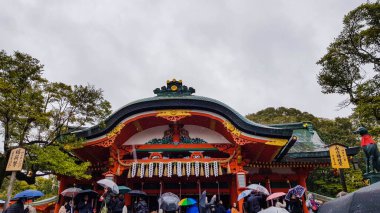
180 97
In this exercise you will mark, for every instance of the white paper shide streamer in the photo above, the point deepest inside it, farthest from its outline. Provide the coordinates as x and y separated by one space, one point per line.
179 169
134 166
170 169
216 170
207 171
197 169
151 169
160 169
188 169
142 170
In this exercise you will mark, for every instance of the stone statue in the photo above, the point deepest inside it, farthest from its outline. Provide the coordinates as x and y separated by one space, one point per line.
370 149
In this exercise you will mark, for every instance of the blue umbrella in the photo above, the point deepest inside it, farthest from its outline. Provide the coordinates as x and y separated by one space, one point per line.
28 194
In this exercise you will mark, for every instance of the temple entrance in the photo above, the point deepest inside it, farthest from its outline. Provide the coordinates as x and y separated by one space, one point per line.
184 188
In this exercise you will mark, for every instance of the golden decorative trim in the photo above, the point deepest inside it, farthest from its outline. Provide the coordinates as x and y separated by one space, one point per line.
241 141
212 124
137 125
173 115
276 142
116 131
231 128
224 161
107 143
286 164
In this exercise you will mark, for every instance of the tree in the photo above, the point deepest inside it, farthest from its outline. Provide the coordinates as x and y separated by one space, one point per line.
355 50
37 115
47 185
322 180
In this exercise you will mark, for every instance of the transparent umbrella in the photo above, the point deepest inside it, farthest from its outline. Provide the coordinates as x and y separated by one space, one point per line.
168 201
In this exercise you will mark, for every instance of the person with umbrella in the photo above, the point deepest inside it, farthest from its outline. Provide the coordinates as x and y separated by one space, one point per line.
106 200
118 205
205 206
280 203
311 204
18 207
84 206
253 202
142 206
220 208
295 205
234 208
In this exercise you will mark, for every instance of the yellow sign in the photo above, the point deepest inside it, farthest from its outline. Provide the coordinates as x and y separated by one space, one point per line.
16 159
338 157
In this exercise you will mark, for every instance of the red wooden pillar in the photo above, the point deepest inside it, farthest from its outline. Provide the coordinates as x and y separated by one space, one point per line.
62 186
302 182
233 190
128 198
238 188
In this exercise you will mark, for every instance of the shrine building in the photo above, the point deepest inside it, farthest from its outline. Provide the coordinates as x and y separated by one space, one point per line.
182 143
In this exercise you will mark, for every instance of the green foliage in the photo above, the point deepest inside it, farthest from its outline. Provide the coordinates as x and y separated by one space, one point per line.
327 182
339 130
52 158
281 115
37 114
354 51
47 185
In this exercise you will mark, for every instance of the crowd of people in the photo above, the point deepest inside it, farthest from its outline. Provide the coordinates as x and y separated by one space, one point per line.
20 207
256 202
111 203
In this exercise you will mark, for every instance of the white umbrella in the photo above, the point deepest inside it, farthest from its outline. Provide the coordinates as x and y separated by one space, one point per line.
70 192
168 202
258 188
244 194
109 184
273 209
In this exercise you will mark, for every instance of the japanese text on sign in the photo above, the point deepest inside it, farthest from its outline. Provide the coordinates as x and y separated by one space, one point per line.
241 180
16 160
338 157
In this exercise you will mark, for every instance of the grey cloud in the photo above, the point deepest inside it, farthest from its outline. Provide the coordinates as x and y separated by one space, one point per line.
248 54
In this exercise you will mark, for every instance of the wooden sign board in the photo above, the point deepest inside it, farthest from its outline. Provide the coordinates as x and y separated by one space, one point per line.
16 160
338 156
241 179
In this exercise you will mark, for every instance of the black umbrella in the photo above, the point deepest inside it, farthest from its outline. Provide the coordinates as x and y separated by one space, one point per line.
137 193
90 193
366 199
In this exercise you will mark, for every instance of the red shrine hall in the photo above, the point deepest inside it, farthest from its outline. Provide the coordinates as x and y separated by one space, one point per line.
182 143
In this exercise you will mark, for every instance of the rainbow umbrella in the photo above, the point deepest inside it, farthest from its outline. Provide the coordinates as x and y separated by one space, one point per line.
187 202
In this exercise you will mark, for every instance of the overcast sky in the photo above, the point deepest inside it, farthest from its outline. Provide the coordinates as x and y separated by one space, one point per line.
247 54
